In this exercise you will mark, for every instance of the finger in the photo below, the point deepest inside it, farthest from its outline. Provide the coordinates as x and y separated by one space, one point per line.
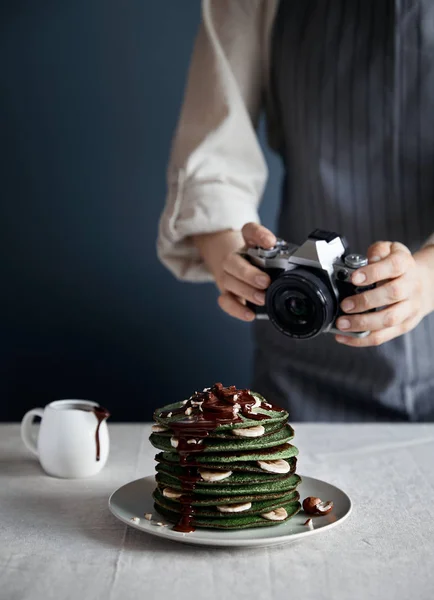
233 307
243 290
379 337
378 251
389 293
392 316
395 264
258 235
239 267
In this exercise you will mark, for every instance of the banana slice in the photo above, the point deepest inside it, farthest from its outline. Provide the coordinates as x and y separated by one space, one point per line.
214 475
274 466
251 432
278 514
171 493
234 508
159 428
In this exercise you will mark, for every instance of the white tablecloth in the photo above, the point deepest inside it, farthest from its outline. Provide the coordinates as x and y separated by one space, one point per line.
58 539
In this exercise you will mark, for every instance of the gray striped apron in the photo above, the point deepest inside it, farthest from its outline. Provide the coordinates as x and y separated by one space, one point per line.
353 86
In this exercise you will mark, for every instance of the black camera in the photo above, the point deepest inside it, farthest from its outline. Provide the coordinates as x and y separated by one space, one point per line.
308 283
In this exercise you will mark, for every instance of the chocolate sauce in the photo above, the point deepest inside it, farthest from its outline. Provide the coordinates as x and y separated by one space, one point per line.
184 524
202 414
189 479
101 414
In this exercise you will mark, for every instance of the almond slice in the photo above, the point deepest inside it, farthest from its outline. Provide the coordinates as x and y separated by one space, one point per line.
174 442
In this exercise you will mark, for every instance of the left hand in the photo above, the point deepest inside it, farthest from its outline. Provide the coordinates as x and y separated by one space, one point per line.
406 292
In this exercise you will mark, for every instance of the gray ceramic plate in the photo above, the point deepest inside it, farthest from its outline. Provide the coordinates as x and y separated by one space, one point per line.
134 499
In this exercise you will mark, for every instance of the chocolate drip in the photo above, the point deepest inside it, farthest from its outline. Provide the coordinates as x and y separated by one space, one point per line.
202 414
101 414
184 524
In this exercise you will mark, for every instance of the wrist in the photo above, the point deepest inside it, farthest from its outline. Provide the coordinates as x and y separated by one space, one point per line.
215 247
425 260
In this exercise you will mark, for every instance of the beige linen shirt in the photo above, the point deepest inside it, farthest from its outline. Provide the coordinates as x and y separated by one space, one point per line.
217 172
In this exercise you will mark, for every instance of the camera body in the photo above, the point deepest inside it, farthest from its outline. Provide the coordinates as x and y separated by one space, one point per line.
308 283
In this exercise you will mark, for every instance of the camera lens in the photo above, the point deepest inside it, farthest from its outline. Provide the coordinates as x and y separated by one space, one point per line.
301 304
297 305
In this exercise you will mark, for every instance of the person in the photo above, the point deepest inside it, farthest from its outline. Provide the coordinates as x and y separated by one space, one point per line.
348 90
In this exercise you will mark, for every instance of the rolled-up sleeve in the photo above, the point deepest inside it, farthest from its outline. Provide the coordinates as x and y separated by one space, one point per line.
217 171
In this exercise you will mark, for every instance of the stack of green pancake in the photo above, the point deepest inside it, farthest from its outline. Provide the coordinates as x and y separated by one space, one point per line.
242 477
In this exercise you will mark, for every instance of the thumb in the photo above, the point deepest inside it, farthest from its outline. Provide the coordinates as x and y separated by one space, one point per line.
258 235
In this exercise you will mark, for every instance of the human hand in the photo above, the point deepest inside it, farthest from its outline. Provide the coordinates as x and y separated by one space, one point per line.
235 277
406 292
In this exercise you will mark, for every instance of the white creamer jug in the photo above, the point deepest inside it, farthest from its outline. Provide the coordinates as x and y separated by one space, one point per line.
73 438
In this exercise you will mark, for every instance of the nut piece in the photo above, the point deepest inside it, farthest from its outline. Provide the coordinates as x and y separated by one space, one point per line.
174 442
191 441
257 402
159 428
214 475
308 523
148 516
275 466
188 411
315 506
135 519
171 493
169 415
234 508
278 514
250 432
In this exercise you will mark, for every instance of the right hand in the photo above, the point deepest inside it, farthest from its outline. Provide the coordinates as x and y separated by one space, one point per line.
236 278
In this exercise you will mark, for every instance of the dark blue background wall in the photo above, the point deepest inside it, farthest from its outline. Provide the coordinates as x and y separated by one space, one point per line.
89 96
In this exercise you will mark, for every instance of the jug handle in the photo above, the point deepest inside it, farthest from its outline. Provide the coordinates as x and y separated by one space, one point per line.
26 429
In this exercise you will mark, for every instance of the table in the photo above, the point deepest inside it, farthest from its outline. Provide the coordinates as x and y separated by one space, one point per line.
59 541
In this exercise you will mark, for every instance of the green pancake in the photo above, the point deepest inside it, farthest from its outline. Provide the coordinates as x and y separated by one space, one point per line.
280 485
285 451
258 506
234 479
280 416
239 522
282 436
228 433
230 496
244 466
